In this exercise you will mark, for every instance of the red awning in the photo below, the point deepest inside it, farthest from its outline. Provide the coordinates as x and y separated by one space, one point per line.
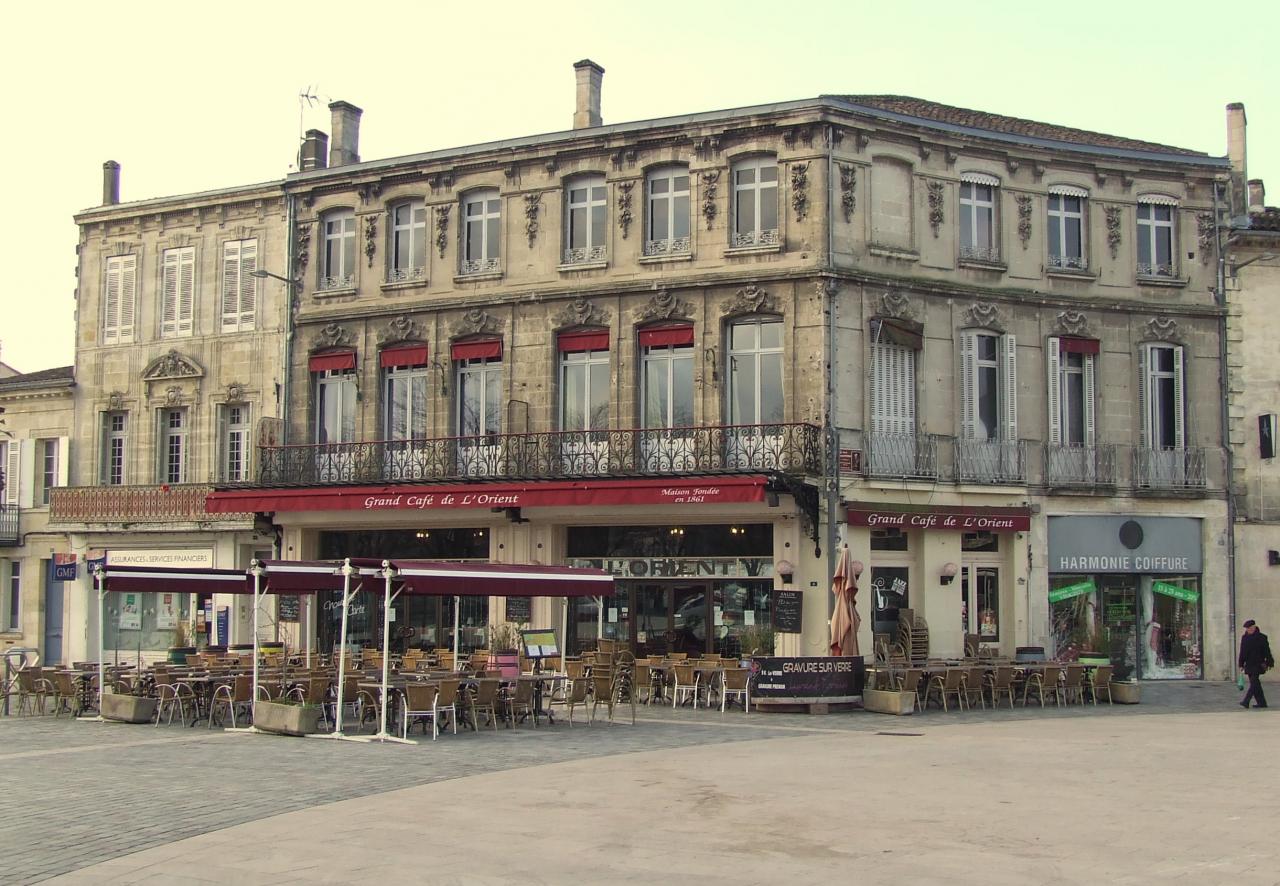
332 360
403 355
501 580
154 579
476 349
1068 344
663 336
586 340
311 576
685 492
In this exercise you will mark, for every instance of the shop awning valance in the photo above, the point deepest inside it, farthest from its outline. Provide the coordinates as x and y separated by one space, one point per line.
332 360
1158 199
1068 191
897 332
1068 344
155 579
585 340
665 336
501 580
477 349
403 356
980 178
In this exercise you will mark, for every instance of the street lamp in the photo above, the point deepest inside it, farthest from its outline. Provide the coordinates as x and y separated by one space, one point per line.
263 275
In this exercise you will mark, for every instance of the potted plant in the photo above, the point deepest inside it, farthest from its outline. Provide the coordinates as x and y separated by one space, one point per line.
183 643
504 641
286 716
888 701
756 640
127 708
1126 692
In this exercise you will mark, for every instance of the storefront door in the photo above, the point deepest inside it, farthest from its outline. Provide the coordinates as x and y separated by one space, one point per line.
980 602
671 618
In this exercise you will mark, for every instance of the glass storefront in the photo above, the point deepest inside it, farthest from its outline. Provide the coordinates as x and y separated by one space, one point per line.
138 622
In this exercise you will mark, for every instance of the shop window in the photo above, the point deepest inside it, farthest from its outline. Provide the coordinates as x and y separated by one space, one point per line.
980 543
891 539
890 592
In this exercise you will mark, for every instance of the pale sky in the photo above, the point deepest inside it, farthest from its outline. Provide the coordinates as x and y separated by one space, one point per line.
187 101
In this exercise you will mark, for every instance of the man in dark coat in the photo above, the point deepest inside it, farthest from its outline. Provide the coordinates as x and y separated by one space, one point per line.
1255 659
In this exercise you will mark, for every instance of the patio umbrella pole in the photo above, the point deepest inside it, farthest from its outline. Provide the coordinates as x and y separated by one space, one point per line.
564 632
100 579
388 573
346 569
255 569
599 616
457 604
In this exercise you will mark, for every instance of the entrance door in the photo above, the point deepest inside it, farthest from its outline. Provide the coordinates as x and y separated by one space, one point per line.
51 653
671 618
980 602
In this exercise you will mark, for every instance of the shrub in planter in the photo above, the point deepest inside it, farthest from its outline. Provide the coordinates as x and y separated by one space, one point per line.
888 701
286 717
128 708
1126 692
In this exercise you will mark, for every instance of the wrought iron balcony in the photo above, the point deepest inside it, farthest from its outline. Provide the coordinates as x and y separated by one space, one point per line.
10 536
670 246
991 461
1069 262
1066 465
1146 269
767 237
907 456
132 504
980 253
585 255
786 448
480 266
1169 468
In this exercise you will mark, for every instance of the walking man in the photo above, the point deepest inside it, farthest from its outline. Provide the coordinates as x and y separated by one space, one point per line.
1255 659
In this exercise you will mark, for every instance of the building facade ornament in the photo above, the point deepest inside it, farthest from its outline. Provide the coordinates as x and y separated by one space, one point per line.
624 207
236 392
984 315
172 365
532 205
1112 215
581 312
662 305
1162 328
115 401
1205 234
173 395
710 180
442 227
896 306
750 299
800 189
476 321
1024 218
331 335
1072 322
302 247
370 237
936 194
401 328
848 190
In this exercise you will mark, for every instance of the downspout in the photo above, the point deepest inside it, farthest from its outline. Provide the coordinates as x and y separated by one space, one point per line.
1224 370
832 437
292 295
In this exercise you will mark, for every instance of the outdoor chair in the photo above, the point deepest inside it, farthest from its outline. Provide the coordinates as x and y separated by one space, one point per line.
313 691
1000 685
420 703
484 700
1101 683
1073 684
1041 682
33 689
736 682
447 700
520 701
647 681
949 682
974 688
602 693
685 685
174 697
912 681
678 656
65 695
237 695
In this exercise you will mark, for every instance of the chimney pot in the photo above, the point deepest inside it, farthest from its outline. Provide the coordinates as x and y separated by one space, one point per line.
1236 153
344 148
588 75
315 151
1257 196
110 183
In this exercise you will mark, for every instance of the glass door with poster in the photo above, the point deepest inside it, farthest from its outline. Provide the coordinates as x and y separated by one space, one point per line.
671 618
889 593
980 603
1169 641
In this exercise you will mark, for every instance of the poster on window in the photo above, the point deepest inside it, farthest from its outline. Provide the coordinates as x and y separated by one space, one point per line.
131 613
167 612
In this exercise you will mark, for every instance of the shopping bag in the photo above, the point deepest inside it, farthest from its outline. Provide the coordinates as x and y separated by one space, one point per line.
1240 682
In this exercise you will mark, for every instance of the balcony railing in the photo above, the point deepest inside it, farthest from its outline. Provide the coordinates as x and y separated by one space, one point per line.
480 266
908 456
1069 262
1085 466
788 448
1146 269
767 237
345 281
980 253
131 504
585 255
1169 468
991 461
9 534
669 246
406 275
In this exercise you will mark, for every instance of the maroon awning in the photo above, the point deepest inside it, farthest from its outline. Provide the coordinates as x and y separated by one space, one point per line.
1069 344
585 340
403 356
312 576
663 336
477 348
501 580
332 360
158 579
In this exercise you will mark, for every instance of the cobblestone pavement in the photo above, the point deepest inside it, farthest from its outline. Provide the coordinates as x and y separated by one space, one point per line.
81 793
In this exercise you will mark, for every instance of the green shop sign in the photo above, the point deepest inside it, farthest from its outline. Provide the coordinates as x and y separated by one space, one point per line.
1178 593
1079 589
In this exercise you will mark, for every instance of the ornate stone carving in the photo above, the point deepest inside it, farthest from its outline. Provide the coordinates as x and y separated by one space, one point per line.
115 401
173 395
401 328
848 189
1205 234
331 335
581 312
750 299
984 315
936 192
532 204
476 321
1071 322
895 305
172 365
800 189
236 392
624 207
1112 215
710 180
662 305
1024 218
442 227
707 146
370 237
1163 328
302 249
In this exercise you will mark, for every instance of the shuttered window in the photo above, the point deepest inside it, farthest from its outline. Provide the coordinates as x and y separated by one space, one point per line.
120 292
1161 397
1070 377
11 464
239 286
988 386
893 389
177 291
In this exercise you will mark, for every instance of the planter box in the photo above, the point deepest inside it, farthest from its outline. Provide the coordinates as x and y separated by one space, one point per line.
888 701
128 708
286 719
1126 693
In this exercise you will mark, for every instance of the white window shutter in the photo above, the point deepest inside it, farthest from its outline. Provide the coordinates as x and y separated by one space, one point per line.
26 472
128 295
968 382
1053 381
1009 383
186 289
12 472
907 415
230 284
1090 424
248 284
169 292
111 303
1179 400
223 445
1144 398
64 461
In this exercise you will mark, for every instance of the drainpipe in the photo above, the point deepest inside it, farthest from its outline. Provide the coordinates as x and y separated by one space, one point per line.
293 293
832 436
1224 370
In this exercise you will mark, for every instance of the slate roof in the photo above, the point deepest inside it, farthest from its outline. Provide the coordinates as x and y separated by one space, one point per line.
58 373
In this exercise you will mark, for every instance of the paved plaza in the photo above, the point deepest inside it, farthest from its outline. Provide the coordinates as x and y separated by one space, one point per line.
1178 790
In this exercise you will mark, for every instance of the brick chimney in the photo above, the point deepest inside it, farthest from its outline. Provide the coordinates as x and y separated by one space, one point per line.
1257 195
110 183
344 149
315 151
588 76
1236 153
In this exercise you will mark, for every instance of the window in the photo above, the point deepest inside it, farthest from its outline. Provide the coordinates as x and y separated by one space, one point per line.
1160 396
48 468
115 436
13 611
481 223
118 301
1155 237
978 218
667 212
585 227
408 242
405 405
479 396
755 203
234 443
988 386
335 406
338 262
1066 228
667 385
239 286
755 372
173 445
584 389
177 295
10 467
1071 390
893 389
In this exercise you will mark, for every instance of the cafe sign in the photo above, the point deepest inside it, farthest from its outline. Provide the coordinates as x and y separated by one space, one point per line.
939 517
680 567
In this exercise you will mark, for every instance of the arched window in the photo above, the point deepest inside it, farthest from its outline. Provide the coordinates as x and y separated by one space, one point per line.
1157 232
1067 232
338 261
408 255
755 202
585 227
481 232
667 220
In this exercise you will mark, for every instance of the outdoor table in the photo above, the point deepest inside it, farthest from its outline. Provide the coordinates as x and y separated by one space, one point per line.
538 681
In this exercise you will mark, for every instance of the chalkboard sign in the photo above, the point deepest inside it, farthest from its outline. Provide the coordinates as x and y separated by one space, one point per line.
808 679
288 608
519 609
787 611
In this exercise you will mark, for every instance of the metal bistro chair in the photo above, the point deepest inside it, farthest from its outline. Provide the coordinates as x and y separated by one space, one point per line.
575 696
974 687
314 691
520 701
602 693
174 697
1073 684
237 695
1000 685
686 684
33 689
66 695
1042 681
950 682
1101 682
484 700
420 702
736 682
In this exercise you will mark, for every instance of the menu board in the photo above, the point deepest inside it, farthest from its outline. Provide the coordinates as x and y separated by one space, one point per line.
288 608
540 643
519 609
788 611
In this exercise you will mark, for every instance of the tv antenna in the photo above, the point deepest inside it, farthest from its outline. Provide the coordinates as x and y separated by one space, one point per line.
306 101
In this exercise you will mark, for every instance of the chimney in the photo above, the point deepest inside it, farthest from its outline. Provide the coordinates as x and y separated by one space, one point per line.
1257 196
1236 154
315 151
588 75
110 183
345 147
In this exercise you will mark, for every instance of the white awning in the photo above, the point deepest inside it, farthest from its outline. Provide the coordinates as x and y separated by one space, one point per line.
1069 191
980 178
1158 199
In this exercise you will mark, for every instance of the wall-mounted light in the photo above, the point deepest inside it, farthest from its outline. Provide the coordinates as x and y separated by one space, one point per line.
423 533
676 530
786 571
948 575
856 567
